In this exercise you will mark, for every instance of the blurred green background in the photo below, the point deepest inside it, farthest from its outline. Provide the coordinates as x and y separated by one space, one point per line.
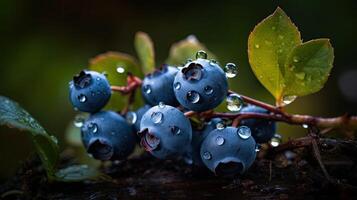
44 43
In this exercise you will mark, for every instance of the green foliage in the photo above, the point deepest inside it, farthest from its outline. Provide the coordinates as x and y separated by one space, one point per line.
186 49
116 65
274 47
77 173
12 115
145 50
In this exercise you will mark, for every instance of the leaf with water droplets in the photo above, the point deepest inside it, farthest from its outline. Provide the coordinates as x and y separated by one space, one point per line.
77 173
12 115
109 63
145 49
186 49
308 67
269 45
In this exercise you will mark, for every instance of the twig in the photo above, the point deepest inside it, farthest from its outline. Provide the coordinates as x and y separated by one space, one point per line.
319 160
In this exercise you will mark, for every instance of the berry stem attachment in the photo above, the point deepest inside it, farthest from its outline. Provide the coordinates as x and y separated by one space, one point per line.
133 83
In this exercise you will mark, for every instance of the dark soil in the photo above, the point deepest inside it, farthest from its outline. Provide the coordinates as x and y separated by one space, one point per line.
287 175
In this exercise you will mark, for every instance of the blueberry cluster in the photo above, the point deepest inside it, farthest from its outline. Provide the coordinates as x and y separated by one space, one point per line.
163 129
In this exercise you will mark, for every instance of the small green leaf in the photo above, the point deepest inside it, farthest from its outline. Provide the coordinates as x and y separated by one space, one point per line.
77 173
308 67
116 65
145 50
269 45
186 49
12 115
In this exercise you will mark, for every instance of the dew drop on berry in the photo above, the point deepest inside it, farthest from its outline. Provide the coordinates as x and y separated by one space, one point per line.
161 104
201 54
176 130
93 127
231 70
193 96
213 62
276 140
207 155
98 79
244 132
220 140
147 89
220 126
131 117
157 117
152 141
120 70
208 90
289 99
234 102
82 98
177 85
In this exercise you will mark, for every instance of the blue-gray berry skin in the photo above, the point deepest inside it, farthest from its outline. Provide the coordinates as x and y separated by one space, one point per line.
226 153
107 136
200 85
139 114
157 86
89 91
165 131
262 129
192 156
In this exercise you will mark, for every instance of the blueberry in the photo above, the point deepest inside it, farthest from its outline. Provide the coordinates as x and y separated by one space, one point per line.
134 118
192 156
165 131
229 151
157 86
89 91
262 129
200 85
107 136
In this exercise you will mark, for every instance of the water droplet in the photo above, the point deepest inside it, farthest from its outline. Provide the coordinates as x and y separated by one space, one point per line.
257 147
276 140
244 132
300 75
157 117
289 99
256 46
208 89
152 141
220 126
234 102
219 140
207 155
177 85
193 96
98 79
131 117
305 126
213 62
201 54
161 104
192 39
120 70
93 127
82 98
231 70
78 121
54 139
147 89
176 130
296 59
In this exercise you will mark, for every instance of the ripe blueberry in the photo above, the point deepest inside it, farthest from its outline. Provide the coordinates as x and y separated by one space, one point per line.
89 91
134 118
165 131
262 129
107 136
200 85
229 151
157 86
192 156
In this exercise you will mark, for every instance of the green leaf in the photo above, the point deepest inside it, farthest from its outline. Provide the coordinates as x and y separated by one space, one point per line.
77 173
12 115
109 63
269 45
308 67
186 49
145 50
